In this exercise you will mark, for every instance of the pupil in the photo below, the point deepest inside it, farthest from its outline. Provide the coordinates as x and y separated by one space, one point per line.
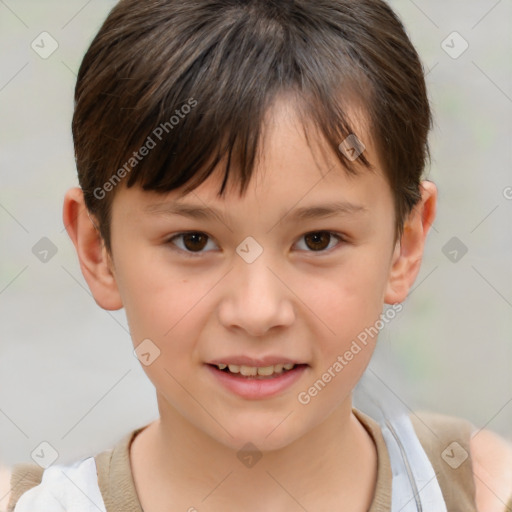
316 236
193 237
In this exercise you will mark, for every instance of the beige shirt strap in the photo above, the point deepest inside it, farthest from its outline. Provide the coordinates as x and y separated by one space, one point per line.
115 477
446 443
382 496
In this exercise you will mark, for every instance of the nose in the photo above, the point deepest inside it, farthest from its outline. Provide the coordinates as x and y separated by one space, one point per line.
258 298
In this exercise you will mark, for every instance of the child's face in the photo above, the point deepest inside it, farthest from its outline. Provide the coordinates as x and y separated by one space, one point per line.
304 299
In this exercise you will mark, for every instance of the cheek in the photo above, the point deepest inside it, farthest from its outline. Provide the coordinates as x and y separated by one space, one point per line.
159 299
349 304
348 298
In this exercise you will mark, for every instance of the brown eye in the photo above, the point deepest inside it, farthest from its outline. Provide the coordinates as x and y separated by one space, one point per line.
192 243
320 241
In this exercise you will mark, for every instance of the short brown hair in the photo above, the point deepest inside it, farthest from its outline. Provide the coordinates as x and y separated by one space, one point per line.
153 58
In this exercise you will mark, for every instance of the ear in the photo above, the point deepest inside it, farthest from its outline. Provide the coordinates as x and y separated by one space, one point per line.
95 262
409 249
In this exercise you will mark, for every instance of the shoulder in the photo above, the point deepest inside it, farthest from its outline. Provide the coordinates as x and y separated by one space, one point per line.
449 441
22 477
492 469
5 487
16 481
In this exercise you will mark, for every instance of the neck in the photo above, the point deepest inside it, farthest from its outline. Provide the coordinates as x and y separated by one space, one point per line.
174 460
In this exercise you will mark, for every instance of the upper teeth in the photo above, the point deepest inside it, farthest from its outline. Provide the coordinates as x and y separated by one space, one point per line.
253 370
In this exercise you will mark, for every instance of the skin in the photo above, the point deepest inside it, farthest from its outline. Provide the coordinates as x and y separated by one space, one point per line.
295 301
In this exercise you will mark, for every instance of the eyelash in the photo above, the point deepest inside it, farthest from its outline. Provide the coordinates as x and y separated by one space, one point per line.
192 254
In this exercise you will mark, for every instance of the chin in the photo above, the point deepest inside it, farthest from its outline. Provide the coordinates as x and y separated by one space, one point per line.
265 432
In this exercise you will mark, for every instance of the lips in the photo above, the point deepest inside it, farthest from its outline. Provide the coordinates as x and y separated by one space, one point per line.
256 387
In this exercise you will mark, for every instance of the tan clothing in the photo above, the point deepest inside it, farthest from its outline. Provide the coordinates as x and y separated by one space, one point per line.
435 432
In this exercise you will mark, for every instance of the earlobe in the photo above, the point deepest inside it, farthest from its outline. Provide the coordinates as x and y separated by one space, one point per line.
408 251
95 261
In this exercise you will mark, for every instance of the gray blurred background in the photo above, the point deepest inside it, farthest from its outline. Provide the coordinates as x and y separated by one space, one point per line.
67 372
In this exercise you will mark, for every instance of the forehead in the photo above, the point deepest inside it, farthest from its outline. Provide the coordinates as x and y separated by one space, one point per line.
295 168
294 144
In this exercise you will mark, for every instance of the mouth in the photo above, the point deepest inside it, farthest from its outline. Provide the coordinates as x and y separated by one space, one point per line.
257 372
264 380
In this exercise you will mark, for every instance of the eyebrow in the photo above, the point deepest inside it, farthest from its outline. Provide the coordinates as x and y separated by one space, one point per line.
331 209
